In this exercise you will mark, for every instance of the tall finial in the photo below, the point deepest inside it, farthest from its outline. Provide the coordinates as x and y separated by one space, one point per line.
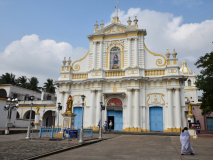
115 18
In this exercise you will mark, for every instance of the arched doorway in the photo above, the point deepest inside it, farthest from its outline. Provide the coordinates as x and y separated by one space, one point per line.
156 118
3 93
78 112
115 113
48 119
27 115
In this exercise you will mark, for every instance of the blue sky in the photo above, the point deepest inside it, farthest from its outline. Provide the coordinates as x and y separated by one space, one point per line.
64 25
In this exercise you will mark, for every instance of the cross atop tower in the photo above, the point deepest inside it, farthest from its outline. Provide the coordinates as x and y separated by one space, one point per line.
115 18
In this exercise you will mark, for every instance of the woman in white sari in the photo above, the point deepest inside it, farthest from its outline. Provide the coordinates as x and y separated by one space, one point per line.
185 141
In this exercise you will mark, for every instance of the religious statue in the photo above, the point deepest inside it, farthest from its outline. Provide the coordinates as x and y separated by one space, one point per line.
37 110
69 105
190 111
115 61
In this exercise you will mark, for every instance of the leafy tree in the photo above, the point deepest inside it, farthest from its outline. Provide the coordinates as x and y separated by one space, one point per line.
204 82
49 86
33 84
8 78
22 81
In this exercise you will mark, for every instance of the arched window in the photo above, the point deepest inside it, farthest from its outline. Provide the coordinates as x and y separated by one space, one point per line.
115 58
189 82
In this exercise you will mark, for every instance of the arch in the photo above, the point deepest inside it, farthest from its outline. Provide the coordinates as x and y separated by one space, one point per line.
156 118
48 119
115 102
17 115
115 58
3 93
27 115
189 82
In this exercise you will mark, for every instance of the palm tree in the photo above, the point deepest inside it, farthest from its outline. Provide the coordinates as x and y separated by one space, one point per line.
8 78
33 84
49 86
22 81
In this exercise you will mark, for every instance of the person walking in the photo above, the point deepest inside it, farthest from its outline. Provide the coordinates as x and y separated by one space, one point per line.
186 147
105 126
110 125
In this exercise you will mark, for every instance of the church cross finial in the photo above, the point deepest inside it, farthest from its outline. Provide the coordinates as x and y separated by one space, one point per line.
116 10
116 19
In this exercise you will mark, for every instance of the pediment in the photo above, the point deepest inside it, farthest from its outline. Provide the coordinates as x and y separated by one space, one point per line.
115 28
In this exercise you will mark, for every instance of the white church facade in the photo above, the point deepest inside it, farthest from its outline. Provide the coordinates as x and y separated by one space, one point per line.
142 90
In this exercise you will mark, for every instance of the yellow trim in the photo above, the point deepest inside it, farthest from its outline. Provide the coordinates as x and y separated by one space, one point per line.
37 124
158 61
172 130
175 62
2 99
95 128
5 85
78 61
62 68
168 63
126 129
148 95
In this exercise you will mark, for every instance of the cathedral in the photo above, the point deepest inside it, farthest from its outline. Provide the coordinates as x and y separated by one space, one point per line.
141 90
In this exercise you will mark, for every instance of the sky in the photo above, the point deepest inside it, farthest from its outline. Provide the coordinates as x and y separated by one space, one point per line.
35 35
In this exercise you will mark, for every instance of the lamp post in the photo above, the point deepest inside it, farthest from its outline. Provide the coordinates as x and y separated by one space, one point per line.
81 131
29 126
10 106
100 124
59 108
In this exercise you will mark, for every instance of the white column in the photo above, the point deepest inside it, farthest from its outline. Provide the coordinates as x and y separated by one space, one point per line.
170 109
92 108
136 52
94 54
129 108
101 55
129 52
98 109
144 118
178 108
137 109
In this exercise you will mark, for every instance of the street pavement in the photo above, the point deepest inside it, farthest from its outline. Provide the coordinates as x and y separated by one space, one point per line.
114 146
139 147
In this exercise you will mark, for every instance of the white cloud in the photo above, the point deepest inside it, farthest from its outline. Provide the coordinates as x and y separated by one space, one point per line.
31 56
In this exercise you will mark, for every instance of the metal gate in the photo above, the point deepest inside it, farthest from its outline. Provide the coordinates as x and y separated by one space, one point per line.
118 119
156 118
78 112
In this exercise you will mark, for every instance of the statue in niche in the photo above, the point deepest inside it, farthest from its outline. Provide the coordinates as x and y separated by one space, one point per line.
115 62
69 105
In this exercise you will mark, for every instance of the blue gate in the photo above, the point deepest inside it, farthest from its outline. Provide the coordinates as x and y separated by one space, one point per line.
156 118
209 123
78 112
118 119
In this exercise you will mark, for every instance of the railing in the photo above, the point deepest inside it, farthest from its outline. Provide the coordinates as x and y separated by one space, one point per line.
66 133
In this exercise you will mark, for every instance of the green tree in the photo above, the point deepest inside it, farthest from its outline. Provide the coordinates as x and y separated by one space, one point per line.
49 86
22 81
33 84
204 82
8 78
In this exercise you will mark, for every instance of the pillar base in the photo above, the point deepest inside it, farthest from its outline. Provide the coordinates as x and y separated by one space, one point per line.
172 130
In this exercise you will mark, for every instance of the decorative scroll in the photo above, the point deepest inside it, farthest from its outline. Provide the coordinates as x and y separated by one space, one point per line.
114 102
77 66
159 62
115 30
155 99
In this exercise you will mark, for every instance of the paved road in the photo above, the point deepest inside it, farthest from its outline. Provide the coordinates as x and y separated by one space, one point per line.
139 147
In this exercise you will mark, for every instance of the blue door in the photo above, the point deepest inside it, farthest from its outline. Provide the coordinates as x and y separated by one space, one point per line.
209 121
118 119
78 112
156 118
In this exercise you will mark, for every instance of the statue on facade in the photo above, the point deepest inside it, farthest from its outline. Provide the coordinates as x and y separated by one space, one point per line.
69 105
190 110
37 110
115 62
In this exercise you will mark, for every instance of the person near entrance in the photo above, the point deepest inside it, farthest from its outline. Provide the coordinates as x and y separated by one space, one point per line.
110 125
105 126
185 142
